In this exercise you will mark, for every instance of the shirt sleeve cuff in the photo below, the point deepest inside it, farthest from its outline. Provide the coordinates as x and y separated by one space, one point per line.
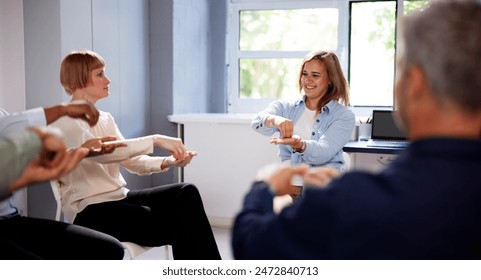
36 117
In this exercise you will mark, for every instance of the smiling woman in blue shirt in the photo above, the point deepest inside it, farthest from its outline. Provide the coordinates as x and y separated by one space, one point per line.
314 127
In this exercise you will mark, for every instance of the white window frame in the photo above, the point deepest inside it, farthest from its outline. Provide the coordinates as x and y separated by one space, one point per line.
246 105
234 54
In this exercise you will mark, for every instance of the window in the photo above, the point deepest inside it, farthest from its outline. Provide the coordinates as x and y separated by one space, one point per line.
268 38
268 41
273 74
372 51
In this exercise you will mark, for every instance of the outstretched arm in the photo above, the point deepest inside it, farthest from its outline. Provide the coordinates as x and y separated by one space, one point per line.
78 110
44 116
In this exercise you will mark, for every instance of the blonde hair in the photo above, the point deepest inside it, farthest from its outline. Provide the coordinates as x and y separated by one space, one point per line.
76 68
339 89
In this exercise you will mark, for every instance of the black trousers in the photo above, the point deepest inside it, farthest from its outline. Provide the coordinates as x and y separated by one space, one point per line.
166 215
33 238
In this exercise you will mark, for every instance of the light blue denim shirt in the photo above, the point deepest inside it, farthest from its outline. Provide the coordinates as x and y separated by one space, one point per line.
331 130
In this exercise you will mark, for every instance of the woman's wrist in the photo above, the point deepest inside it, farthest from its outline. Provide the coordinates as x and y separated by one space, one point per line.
157 140
302 148
55 112
271 121
165 163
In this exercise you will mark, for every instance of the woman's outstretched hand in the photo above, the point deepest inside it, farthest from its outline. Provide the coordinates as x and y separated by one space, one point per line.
172 144
171 161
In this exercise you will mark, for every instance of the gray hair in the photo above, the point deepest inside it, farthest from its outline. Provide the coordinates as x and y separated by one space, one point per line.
444 40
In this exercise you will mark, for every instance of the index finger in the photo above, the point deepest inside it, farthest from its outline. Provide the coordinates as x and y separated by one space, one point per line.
182 152
108 138
192 153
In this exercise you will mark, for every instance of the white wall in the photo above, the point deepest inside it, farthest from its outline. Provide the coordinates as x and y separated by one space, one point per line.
190 62
12 71
199 28
42 52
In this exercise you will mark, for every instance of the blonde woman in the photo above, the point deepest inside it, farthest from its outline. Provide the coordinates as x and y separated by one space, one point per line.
314 127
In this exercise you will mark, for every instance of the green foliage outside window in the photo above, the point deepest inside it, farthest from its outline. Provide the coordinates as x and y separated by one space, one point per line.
302 30
280 31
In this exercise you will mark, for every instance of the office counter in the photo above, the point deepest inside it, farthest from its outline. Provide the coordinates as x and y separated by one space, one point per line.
361 147
373 159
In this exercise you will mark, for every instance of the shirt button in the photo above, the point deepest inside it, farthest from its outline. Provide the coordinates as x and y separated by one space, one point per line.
313 133
317 121
324 109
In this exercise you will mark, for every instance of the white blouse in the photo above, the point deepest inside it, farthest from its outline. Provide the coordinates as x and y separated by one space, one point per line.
98 179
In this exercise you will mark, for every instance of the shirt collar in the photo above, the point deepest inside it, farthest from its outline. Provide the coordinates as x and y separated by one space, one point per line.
327 108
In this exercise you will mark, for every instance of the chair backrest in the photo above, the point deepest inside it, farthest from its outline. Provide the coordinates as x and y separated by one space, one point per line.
133 249
347 162
58 198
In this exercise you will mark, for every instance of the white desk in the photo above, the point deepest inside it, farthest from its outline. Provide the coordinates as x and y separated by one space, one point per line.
370 158
361 147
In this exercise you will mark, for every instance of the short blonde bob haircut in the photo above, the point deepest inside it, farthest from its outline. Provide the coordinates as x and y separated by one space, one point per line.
338 89
76 69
